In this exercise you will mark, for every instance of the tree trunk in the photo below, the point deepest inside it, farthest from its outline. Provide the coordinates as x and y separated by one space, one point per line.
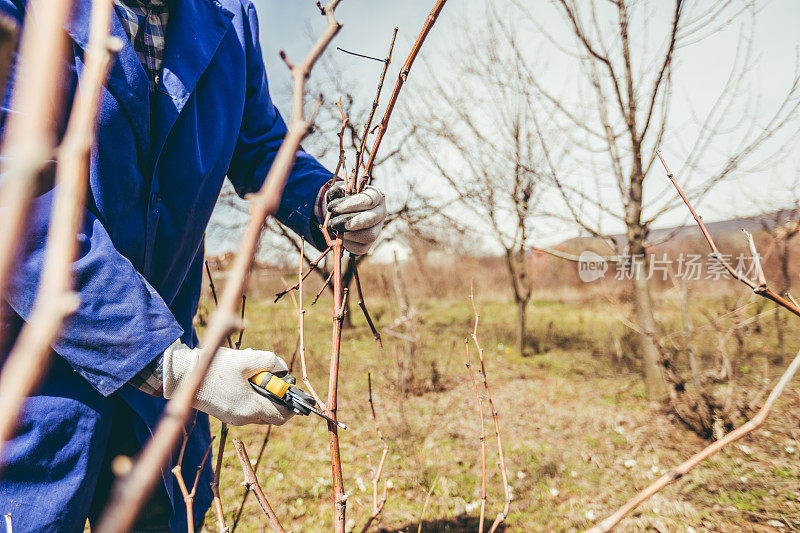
522 311
643 303
645 321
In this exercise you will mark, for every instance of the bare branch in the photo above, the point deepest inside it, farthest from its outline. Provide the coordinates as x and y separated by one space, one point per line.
252 484
401 79
223 437
507 503
377 502
758 288
30 356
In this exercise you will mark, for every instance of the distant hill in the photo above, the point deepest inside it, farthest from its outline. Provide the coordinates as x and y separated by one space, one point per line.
719 229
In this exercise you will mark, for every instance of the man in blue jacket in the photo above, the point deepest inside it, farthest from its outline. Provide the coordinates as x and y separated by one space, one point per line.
186 104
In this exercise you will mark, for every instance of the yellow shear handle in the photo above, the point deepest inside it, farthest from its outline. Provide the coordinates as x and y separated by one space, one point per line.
271 382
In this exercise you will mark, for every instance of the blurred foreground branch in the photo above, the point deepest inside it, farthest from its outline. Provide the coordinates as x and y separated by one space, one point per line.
25 144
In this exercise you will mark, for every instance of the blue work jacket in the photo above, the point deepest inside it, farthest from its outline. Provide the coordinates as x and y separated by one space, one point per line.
155 175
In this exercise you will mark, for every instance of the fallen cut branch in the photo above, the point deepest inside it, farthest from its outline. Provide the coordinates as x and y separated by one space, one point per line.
252 484
377 502
425 505
30 356
681 470
131 492
501 516
366 177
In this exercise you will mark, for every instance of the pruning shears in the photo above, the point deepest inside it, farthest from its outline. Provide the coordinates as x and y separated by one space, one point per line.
283 390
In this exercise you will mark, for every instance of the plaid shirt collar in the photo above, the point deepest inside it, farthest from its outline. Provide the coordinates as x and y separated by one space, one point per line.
145 22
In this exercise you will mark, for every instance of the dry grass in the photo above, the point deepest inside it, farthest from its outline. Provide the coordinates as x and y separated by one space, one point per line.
579 435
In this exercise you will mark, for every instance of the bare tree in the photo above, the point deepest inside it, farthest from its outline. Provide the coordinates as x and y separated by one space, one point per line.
476 133
620 108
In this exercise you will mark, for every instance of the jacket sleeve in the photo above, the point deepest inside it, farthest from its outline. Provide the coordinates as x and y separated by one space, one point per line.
121 324
260 136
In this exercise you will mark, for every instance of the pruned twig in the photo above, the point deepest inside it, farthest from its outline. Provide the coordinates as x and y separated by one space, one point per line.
252 484
377 502
131 492
29 358
682 469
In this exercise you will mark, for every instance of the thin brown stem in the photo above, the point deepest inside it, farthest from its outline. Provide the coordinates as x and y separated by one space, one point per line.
252 484
255 469
363 304
341 164
214 296
188 496
377 502
218 510
241 328
375 103
506 491
758 288
301 314
339 295
401 79
30 137
322 289
482 437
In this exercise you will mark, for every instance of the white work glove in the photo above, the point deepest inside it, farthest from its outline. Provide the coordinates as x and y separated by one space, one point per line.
226 393
359 217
